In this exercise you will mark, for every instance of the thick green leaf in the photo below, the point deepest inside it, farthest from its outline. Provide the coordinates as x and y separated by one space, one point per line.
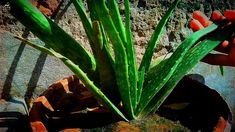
140 84
145 63
221 68
166 69
131 56
85 21
50 33
104 66
117 20
121 63
192 57
81 75
94 17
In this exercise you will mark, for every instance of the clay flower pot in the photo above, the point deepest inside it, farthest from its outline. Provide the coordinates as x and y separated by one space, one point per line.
197 107
68 105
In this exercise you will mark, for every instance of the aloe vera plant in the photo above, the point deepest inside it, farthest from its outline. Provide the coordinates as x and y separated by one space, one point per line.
116 79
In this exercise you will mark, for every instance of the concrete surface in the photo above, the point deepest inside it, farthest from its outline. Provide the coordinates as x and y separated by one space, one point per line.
24 71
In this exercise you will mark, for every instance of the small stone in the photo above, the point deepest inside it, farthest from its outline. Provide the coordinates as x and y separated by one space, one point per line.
141 34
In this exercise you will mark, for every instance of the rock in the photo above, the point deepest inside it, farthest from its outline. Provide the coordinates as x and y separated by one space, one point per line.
49 7
14 105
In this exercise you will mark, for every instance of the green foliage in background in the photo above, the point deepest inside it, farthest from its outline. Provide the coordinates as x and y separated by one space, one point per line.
116 78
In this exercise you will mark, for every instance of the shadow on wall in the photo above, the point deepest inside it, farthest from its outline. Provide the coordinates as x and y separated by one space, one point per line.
34 76
40 62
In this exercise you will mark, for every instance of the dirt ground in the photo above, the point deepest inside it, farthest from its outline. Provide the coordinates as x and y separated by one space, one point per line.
145 15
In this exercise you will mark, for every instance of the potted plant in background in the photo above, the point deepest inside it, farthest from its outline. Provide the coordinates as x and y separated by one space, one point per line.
111 73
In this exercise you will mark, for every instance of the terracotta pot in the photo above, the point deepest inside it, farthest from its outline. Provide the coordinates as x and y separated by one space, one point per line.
197 106
68 105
